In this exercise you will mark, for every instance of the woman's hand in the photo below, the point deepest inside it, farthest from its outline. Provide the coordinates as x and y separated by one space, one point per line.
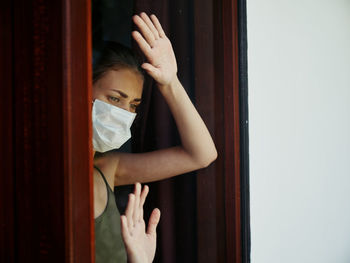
140 245
157 49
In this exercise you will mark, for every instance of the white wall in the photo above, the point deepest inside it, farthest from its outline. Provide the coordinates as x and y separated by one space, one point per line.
299 103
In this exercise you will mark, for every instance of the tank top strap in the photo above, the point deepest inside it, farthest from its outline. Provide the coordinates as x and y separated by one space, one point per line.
104 178
109 245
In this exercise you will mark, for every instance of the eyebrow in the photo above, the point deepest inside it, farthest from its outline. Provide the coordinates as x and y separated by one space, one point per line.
125 95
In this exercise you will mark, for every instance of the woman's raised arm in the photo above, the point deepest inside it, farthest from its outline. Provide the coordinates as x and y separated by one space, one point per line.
197 149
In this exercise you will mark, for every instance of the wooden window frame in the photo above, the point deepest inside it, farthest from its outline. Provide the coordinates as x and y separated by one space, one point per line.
35 33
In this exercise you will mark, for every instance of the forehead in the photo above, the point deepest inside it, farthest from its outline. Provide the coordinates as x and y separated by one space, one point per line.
126 80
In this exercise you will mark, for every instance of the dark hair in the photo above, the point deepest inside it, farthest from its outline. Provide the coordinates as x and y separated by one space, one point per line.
115 56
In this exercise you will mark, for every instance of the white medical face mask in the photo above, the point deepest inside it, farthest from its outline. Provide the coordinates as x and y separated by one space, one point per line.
111 126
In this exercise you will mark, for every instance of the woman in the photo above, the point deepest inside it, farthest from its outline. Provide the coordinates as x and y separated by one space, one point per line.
117 90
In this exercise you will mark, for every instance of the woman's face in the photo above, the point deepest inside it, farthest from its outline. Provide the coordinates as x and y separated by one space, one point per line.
121 88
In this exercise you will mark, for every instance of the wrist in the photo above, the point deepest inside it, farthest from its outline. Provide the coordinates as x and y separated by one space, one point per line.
170 87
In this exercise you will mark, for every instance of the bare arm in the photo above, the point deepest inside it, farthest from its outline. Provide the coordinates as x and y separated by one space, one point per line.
197 149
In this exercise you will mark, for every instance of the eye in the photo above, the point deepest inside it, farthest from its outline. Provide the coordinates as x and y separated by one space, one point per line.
134 107
114 99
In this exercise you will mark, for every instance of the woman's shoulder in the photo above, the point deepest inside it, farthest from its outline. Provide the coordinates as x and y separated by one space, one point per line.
107 163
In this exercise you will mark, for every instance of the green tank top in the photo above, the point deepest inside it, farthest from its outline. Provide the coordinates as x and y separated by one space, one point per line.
109 246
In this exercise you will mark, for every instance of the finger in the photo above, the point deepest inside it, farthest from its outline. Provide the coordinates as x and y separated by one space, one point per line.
124 228
153 222
137 193
144 46
150 25
130 210
143 196
158 26
151 70
145 30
